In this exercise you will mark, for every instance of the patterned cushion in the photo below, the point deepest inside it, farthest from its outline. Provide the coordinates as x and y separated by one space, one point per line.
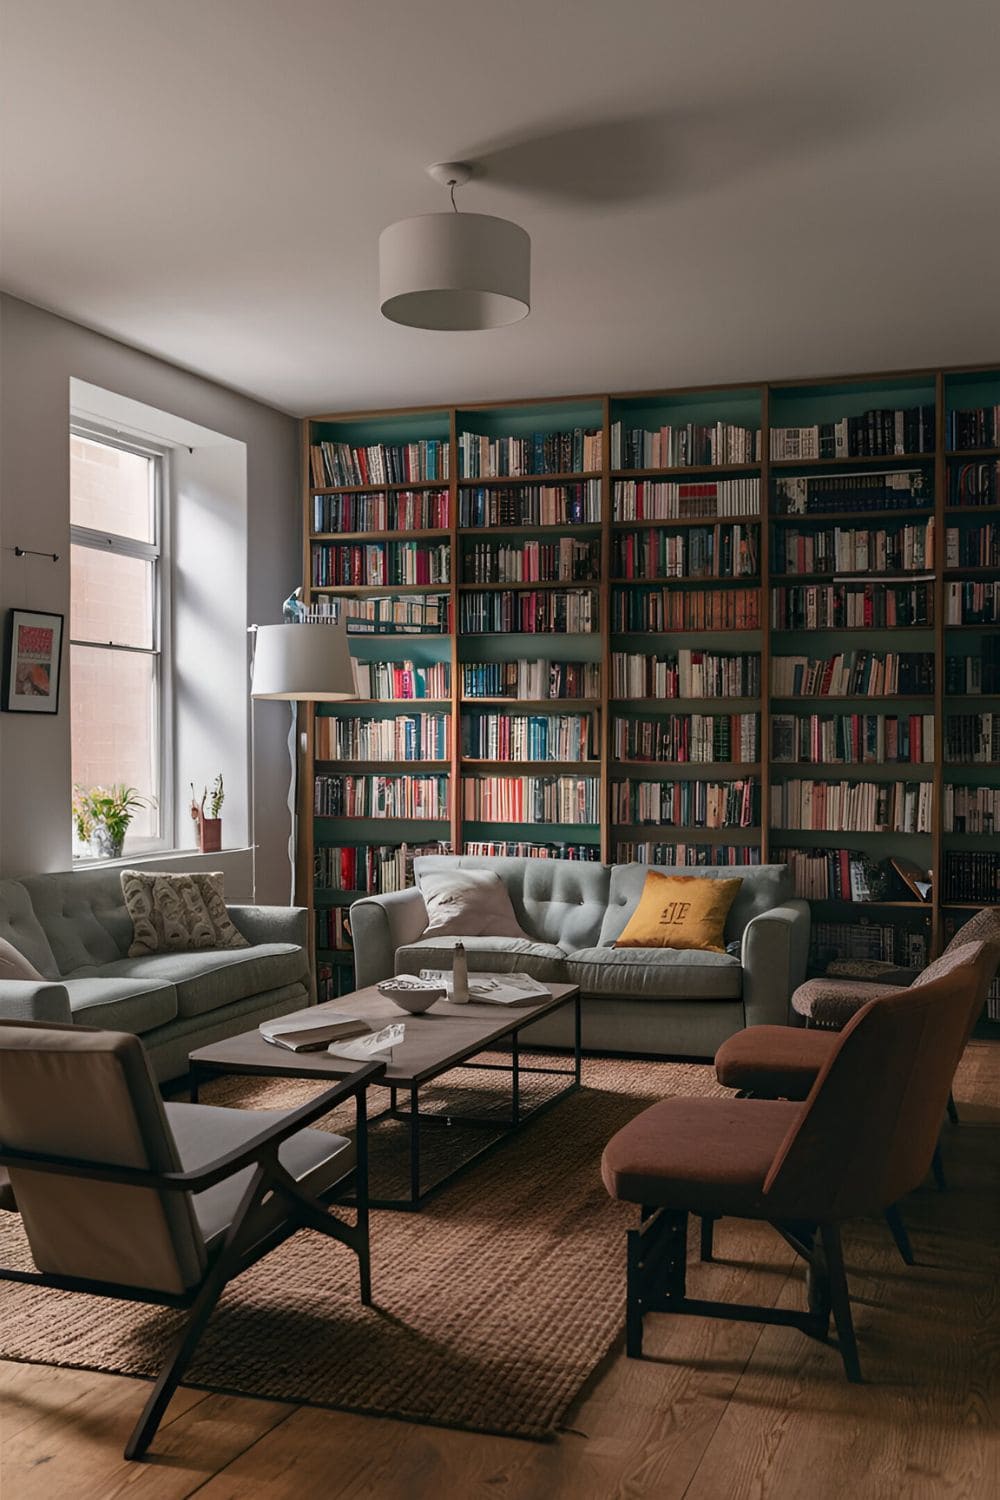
984 927
832 1002
183 913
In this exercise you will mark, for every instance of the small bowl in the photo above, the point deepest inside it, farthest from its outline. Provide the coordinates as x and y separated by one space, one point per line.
413 1001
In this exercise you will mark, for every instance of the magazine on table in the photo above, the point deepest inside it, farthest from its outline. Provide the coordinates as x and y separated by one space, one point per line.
371 1048
311 1030
494 989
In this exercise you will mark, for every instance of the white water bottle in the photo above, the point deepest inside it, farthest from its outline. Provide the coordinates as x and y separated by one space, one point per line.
459 976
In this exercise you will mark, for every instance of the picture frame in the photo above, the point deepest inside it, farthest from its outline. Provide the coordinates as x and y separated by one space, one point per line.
32 668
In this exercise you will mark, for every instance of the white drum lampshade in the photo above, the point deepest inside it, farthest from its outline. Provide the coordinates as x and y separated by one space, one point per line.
303 663
454 271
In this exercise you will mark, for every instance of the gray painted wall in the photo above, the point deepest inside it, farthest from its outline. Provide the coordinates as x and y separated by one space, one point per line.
39 355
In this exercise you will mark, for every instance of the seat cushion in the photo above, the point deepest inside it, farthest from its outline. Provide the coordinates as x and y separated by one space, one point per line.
494 955
138 1004
203 1132
773 1062
832 1002
709 1156
205 981
656 973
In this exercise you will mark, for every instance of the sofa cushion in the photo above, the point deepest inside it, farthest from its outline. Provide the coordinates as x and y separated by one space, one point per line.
491 955
204 981
764 887
19 926
656 973
14 965
183 912
680 911
467 903
83 915
138 1004
560 901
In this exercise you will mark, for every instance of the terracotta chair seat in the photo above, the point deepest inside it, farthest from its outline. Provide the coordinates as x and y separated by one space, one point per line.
774 1062
720 1151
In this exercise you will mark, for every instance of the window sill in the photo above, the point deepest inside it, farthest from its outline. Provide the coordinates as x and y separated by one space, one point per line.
155 857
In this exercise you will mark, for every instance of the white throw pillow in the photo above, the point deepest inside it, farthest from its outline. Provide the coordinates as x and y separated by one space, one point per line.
467 903
14 965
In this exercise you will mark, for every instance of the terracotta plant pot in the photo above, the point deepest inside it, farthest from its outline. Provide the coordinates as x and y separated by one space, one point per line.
209 835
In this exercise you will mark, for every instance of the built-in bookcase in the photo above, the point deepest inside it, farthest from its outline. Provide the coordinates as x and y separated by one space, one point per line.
714 626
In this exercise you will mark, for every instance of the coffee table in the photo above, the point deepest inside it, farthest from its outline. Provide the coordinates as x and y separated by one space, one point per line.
446 1036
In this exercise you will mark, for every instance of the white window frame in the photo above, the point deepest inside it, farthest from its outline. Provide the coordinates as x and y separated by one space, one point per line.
157 553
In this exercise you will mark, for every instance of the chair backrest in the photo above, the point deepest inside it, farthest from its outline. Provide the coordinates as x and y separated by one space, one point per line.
89 1095
983 954
866 1133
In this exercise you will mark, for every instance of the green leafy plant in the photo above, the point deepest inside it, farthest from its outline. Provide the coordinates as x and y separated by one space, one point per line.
106 812
214 798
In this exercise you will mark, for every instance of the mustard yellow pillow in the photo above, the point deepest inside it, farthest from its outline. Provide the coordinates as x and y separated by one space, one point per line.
680 911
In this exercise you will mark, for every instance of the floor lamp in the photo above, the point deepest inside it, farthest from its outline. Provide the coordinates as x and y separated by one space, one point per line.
309 663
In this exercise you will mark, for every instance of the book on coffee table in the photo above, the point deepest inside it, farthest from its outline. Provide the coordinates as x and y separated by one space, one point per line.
493 989
311 1030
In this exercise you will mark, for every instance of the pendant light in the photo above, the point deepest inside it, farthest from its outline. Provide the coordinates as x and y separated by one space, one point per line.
454 270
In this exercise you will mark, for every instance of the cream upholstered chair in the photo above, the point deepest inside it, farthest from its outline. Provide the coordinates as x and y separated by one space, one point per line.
126 1197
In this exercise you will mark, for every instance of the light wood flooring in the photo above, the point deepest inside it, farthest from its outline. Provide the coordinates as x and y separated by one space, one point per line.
716 1411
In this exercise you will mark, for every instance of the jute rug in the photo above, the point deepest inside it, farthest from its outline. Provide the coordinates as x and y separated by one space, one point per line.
494 1303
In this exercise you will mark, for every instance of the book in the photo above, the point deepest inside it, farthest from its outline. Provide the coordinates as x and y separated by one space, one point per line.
311 1030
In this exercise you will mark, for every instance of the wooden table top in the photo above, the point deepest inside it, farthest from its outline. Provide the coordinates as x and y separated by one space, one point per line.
441 1038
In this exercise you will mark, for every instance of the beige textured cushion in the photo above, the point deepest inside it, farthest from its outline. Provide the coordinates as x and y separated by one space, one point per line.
984 927
183 913
467 903
14 965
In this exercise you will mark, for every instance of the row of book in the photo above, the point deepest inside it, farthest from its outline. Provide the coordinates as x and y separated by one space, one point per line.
886 942
531 799
378 463
658 610
686 804
516 849
686 674
830 874
972 603
972 547
371 868
696 738
392 510
333 929
852 739
385 614
532 612
505 736
408 737
853 806
369 796
972 876
577 451
628 851
975 483
663 500
844 549
816 494
698 552
531 680
670 447
563 560
853 674
377 564
402 681
971 809
333 981
531 505
879 433
972 738
975 674
977 427
852 606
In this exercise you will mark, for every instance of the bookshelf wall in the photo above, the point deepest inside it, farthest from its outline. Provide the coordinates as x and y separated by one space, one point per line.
724 625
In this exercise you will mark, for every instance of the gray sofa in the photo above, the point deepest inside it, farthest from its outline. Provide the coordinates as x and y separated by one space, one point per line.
651 1000
76 931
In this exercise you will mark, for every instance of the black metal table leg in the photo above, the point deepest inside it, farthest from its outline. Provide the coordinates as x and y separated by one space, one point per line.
577 1037
414 1147
515 1080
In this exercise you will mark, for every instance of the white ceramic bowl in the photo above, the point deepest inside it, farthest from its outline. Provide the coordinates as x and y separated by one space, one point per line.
414 1001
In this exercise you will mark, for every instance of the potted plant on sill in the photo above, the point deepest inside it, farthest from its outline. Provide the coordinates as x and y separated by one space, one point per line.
102 815
209 825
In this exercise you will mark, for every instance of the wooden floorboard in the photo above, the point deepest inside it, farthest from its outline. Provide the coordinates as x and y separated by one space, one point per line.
714 1410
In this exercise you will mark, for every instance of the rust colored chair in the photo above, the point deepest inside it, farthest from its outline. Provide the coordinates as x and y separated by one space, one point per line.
862 1139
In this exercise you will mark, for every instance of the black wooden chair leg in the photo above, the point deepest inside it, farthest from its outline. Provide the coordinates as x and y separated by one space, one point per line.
894 1219
937 1167
953 1114
707 1237
840 1301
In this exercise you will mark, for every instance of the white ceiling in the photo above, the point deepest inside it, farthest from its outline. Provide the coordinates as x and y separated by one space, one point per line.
714 191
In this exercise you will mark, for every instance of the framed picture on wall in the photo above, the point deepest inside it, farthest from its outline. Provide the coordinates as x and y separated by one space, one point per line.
32 662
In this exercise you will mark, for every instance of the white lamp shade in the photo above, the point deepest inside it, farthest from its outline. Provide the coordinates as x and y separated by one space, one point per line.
454 271
303 663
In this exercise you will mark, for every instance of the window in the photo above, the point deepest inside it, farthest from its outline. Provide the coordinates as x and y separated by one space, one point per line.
119 707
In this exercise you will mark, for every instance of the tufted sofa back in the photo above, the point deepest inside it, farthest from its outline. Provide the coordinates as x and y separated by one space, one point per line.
22 929
83 915
560 901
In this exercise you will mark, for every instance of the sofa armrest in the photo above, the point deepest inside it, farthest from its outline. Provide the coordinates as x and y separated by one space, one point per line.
774 957
34 1000
272 924
380 925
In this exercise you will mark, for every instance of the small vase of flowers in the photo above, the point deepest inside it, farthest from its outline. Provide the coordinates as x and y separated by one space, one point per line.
209 824
102 815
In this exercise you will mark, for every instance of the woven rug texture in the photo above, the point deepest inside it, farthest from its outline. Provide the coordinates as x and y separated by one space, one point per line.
493 1304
